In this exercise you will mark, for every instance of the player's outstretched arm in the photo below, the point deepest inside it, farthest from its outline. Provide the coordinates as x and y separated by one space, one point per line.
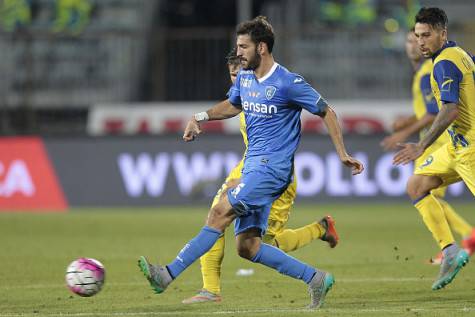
411 151
220 111
334 130
442 121
223 110
390 142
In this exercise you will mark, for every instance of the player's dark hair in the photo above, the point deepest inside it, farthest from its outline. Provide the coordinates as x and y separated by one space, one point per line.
259 29
433 16
232 58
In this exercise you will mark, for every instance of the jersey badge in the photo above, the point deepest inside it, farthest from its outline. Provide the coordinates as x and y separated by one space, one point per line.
270 92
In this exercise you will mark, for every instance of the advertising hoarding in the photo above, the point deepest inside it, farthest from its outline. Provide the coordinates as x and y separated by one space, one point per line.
164 170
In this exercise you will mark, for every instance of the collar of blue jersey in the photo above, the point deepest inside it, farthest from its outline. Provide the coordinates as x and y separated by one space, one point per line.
447 44
269 73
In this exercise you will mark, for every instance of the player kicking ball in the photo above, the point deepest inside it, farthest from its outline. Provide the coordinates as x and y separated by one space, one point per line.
272 99
452 83
276 233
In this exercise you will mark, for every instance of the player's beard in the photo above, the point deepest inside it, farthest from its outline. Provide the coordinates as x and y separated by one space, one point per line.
254 62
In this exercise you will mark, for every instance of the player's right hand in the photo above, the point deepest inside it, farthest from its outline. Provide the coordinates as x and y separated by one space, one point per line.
192 130
408 152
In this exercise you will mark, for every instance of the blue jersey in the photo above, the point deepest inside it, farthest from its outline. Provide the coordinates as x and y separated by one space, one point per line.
272 107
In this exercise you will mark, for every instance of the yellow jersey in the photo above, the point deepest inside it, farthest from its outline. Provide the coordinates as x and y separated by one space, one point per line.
452 81
242 127
423 100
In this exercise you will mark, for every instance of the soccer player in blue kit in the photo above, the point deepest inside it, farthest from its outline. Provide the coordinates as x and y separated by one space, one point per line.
272 99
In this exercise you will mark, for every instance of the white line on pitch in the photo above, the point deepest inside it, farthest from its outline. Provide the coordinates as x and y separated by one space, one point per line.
226 281
242 312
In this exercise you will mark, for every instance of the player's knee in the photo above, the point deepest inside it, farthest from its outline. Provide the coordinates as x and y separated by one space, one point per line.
219 217
248 252
248 248
420 185
413 187
216 218
245 252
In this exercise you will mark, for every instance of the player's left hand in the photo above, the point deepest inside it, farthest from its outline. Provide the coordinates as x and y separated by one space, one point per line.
408 152
192 130
355 165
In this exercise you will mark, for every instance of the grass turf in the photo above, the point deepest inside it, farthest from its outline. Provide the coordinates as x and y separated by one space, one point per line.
379 265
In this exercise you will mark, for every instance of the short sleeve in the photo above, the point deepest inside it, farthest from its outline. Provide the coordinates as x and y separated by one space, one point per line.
229 92
301 94
448 78
429 100
234 93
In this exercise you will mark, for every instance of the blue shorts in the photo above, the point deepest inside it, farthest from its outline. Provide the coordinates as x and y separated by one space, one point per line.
253 198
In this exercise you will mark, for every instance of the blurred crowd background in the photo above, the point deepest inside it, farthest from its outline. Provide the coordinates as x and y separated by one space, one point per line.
59 58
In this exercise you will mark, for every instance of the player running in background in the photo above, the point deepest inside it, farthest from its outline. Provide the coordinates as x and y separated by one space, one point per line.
272 99
425 109
452 82
276 234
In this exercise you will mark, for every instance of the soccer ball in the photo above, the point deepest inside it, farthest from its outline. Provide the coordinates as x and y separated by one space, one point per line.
85 276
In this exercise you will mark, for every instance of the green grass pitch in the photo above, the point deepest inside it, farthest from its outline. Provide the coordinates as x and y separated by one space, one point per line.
378 265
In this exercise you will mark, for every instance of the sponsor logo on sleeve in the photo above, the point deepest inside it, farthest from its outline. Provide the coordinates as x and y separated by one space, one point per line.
446 84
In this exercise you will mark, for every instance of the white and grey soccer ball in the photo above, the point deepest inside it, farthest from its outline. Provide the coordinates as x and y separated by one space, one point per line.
85 276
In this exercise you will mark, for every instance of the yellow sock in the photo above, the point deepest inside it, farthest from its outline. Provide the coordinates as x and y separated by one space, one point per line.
211 260
456 222
211 267
433 216
293 239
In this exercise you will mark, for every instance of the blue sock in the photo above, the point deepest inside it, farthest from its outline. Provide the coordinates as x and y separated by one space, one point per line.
275 258
193 250
450 250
